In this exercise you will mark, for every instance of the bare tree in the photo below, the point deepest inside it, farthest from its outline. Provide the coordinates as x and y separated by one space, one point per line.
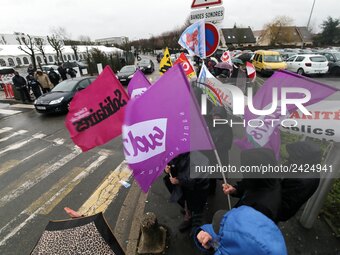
74 47
275 30
85 39
40 44
30 47
3 40
57 45
61 33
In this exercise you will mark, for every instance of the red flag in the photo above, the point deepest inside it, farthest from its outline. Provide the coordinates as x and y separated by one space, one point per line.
226 57
187 67
251 71
96 113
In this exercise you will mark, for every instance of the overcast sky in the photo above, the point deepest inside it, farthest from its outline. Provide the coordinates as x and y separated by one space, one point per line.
143 18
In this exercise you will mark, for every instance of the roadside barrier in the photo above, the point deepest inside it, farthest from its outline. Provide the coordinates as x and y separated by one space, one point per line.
8 91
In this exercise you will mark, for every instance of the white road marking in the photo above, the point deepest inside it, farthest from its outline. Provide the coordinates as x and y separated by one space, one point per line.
20 132
89 170
27 106
58 141
36 179
21 143
5 129
8 112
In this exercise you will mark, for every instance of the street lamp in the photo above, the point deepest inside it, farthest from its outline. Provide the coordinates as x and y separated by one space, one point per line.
311 12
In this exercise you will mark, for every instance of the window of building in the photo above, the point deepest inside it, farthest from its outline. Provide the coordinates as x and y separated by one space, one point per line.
10 62
19 63
39 59
55 58
50 59
65 58
26 62
80 56
2 62
73 57
69 57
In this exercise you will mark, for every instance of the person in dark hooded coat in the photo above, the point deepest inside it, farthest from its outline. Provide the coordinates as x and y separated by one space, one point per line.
54 77
62 72
296 191
262 194
190 193
34 85
278 199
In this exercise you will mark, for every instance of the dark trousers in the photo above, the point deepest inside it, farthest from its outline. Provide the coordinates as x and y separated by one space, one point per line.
196 201
45 90
36 91
24 95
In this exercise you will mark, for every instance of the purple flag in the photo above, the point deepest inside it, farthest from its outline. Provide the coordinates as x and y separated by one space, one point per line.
269 134
161 124
138 84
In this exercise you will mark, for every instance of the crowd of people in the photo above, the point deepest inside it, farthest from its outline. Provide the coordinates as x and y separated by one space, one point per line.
39 82
251 226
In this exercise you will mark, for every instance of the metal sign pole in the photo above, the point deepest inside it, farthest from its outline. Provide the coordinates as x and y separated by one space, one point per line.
315 203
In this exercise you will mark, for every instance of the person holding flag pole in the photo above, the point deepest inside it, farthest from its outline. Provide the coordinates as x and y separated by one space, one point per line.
193 40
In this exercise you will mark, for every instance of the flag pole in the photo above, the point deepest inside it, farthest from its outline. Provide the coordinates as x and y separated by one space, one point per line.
223 175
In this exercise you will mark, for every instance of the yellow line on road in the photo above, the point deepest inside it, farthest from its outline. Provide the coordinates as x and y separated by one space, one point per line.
107 191
5 167
54 189
19 184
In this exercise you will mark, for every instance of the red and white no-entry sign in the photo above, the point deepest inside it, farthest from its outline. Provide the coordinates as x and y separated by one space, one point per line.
205 3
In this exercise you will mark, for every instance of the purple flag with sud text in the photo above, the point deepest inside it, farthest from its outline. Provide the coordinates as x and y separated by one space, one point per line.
161 124
269 134
138 84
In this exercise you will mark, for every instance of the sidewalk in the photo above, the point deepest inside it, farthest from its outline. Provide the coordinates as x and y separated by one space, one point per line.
318 240
5 100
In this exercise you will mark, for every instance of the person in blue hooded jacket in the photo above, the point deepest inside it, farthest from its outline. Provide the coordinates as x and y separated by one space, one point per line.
241 231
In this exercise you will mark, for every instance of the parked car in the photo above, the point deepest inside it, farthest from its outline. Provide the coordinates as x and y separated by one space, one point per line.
245 56
287 55
333 61
267 62
46 68
126 73
146 65
308 64
59 98
73 64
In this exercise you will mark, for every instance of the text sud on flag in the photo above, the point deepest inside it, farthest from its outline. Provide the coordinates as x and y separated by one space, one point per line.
161 124
96 113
